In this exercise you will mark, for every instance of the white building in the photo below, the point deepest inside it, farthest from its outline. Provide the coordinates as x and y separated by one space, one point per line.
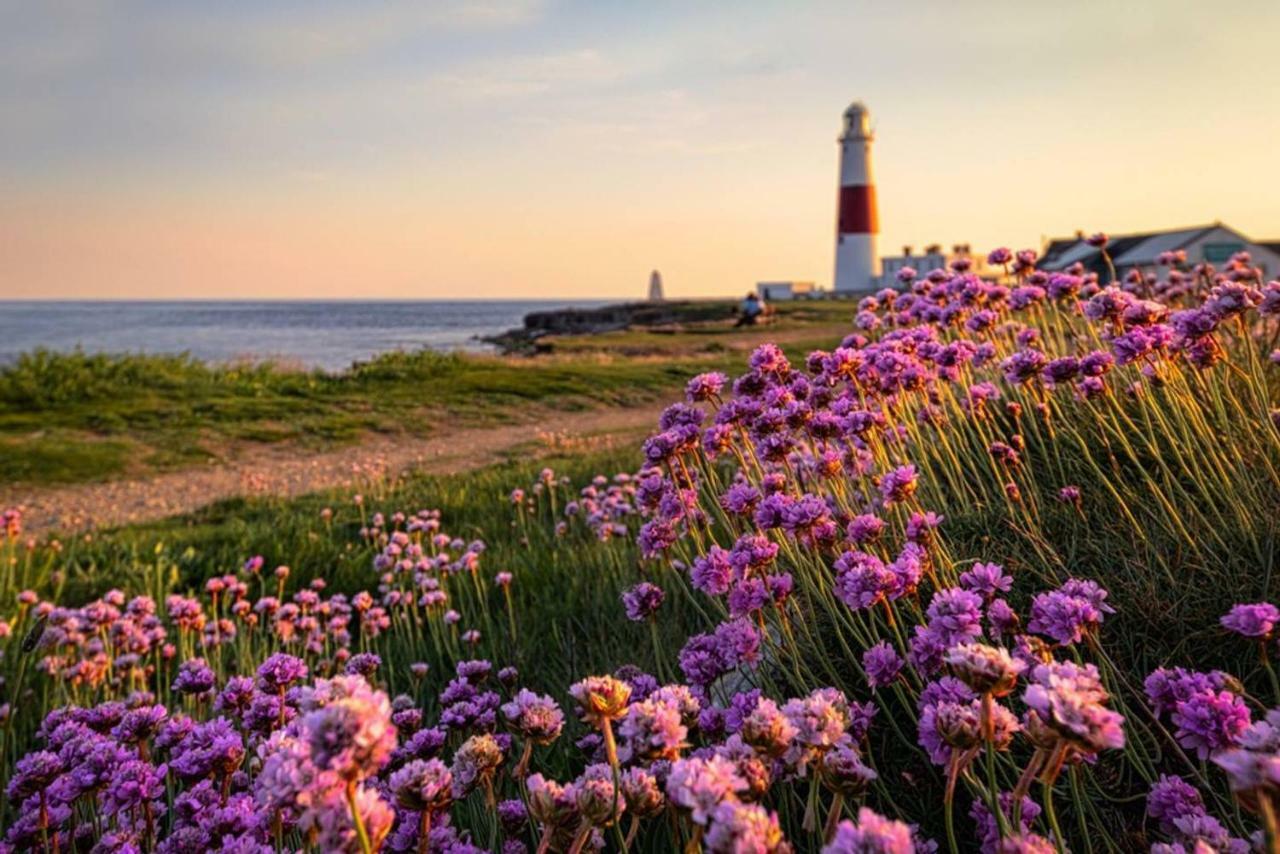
785 290
1213 244
933 257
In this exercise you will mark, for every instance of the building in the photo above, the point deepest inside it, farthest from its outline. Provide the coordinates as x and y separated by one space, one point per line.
857 220
778 291
933 257
655 287
1214 244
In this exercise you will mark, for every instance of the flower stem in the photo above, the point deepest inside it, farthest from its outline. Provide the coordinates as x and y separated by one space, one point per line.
365 845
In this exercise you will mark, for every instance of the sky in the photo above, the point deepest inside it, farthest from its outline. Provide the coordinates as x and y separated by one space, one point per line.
535 148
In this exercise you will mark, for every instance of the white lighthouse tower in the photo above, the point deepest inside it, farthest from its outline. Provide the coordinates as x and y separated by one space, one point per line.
655 287
856 221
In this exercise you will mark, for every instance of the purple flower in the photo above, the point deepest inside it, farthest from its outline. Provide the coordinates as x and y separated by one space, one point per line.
985 669
808 519
820 720
279 672
513 816
422 785
898 485
140 724
987 580
363 664
1023 365
1209 721
864 529
862 580
738 642
1067 613
712 573
737 828
1002 618
1069 495
213 747
920 526
656 536
955 615
33 773
1257 620
1070 700
748 596
844 771
701 785
352 733
1166 687
769 359
705 387
925 650
907 569
872 834
989 828
132 784
882 664
1172 798
752 552
780 587
536 717
767 729
642 601
741 499
652 729
474 763
700 660
194 677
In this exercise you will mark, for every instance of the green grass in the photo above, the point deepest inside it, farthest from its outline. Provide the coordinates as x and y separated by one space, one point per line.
78 417
59 458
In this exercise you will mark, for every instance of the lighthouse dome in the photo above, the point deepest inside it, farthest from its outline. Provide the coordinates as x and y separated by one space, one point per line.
857 121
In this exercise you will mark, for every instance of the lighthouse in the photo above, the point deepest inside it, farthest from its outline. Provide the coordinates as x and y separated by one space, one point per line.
856 221
655 287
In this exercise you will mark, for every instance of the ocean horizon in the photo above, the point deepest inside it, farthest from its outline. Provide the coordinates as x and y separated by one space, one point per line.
329 334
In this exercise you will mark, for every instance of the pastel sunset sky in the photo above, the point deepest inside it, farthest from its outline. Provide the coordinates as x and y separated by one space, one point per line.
519 148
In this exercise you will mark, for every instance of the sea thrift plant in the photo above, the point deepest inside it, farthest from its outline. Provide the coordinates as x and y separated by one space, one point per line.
876 583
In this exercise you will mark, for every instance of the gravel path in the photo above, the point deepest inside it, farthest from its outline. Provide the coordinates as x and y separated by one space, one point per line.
284 471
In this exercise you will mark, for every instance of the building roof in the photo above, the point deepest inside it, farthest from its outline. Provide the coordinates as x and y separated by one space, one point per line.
1126 250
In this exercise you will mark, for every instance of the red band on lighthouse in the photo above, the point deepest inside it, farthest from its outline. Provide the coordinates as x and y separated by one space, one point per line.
858 211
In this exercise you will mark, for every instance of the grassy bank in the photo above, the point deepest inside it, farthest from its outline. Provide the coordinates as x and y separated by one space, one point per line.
68 418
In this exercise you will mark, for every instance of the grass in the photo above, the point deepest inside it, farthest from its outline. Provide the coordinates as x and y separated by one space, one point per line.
61 458
77 417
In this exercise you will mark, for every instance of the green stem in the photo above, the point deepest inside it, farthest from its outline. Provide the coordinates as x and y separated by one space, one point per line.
365 845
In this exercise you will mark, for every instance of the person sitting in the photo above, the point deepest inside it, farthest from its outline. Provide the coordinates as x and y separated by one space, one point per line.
752 308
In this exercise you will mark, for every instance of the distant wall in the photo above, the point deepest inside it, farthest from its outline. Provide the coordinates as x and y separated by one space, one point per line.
571 321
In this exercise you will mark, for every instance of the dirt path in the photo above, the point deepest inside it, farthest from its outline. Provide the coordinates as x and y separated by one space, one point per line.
287 471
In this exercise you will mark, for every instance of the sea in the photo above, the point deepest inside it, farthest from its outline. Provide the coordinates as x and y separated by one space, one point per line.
329 335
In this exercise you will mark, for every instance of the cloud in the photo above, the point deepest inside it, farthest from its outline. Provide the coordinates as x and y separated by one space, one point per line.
63 40
525 76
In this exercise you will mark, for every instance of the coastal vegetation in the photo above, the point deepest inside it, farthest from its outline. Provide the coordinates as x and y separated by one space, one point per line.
990 571
70 417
